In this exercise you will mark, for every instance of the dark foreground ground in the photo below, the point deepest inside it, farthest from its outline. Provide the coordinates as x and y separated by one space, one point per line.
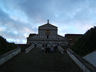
37 61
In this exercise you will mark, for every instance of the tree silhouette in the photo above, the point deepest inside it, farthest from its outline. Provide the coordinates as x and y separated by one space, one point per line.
5 46
86 44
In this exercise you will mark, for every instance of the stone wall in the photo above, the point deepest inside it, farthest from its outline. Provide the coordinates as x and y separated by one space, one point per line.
27 50
84 65
9 55
60 49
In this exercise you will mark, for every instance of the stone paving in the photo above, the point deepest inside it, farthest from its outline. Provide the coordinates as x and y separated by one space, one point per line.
38 61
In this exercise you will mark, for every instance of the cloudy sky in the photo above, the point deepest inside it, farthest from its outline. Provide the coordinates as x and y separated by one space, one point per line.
19 18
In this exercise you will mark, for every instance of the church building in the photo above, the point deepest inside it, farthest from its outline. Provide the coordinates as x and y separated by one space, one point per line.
47 35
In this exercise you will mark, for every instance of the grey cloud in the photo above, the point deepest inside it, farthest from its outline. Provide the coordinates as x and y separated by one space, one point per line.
60 11
13 29
37 10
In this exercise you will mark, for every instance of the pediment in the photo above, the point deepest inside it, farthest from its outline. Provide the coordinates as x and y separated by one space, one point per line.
49 26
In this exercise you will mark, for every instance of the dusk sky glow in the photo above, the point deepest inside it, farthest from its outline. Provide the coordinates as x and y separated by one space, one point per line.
19 18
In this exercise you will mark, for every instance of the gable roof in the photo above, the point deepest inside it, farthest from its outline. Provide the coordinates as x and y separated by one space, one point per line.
49 26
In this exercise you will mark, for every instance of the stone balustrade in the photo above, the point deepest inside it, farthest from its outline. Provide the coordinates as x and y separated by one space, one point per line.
83 64
27 50
9 55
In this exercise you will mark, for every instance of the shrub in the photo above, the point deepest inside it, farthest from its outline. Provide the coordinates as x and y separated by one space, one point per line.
5 46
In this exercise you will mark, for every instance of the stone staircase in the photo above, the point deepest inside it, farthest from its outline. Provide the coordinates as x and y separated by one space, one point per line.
38 61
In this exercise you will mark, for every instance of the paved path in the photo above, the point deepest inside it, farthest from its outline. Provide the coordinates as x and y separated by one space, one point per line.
36 61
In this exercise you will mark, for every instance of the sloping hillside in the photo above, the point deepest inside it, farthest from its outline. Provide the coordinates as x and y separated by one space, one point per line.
5 46
87 43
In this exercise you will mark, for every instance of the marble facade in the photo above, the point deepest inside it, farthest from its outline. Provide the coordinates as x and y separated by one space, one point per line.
47 36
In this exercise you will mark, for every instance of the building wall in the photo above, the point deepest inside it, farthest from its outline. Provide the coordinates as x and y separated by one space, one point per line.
51 33
47 34
72 38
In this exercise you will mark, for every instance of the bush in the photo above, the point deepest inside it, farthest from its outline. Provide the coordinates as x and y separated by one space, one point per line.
5 46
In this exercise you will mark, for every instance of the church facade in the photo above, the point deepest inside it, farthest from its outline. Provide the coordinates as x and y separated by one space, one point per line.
47 35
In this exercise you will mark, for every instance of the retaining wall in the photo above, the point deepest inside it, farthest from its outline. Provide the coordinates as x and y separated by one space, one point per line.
29 48
9 55
84 65
91 58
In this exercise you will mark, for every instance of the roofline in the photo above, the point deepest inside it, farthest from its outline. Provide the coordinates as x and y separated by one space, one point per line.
49 24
